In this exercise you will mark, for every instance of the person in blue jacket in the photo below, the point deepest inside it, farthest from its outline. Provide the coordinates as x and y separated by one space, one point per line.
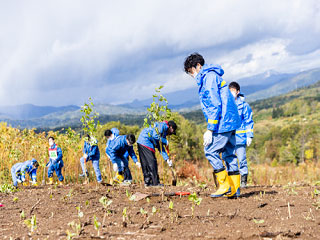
110 136
244 134
149 139
91 153
222 117
116 151
55 163
19 170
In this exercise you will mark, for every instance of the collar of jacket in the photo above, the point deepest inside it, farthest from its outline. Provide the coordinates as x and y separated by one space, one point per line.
208 68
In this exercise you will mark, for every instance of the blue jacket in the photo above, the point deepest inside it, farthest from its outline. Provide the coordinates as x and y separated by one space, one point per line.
58 150
217 102
246 128
151 139
26 167
115 132
118 148
92 150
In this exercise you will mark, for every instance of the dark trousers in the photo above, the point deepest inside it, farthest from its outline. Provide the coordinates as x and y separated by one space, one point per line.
127 174
149 165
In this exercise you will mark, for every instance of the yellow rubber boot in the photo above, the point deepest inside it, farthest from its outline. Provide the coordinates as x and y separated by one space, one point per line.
224 185
234 180
25 183
118 178
50 181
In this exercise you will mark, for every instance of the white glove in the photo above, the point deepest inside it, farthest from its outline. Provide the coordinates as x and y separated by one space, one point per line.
85 156
115 167
169 162
138 164
249 141
207 138
33 182
19 181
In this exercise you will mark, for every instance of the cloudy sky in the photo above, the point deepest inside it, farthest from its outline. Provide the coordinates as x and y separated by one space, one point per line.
62 52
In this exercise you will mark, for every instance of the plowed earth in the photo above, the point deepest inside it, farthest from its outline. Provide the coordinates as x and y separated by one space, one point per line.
261 213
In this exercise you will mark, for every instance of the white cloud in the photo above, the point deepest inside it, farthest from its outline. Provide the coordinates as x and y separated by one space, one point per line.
62 52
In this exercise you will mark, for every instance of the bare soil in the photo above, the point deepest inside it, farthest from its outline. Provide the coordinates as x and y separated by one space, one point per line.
263 212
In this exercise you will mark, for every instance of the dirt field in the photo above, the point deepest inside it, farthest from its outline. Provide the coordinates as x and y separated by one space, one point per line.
261 213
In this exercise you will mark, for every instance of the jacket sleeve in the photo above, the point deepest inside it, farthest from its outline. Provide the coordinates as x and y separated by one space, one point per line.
92 151
163 152
126 154
23 171
211 101
248 120
132 154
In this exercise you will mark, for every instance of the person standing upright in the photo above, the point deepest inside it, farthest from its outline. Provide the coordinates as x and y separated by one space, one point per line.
244 134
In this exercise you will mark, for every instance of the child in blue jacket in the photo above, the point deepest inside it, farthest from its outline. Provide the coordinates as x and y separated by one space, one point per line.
91 153
117 150
111 136
150 139
55 163
244 134
19 170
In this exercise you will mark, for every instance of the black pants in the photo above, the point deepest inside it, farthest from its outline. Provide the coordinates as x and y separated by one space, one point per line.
149 165
127 174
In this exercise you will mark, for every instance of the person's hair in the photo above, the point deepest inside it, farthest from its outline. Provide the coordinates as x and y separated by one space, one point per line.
131 138
173 125
35 164
234 85
192 61
107 133
50 138
88 136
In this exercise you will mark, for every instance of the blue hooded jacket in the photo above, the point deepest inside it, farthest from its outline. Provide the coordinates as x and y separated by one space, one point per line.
115 132
92 150
151 140
118 148
26 167
246 128
59 155
217 102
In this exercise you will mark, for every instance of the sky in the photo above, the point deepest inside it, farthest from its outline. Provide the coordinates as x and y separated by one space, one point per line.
63 52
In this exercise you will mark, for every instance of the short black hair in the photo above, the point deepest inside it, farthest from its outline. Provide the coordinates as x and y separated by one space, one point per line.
50 138
173 125
35 164
234 85
192 61
131 138
107 133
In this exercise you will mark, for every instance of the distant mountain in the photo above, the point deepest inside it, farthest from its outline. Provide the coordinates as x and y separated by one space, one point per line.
29 111
286 85
256 87
267 84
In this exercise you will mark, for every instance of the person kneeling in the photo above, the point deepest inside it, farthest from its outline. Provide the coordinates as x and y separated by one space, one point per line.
19 170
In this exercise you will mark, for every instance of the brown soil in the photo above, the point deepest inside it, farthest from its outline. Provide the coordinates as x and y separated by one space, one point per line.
261 213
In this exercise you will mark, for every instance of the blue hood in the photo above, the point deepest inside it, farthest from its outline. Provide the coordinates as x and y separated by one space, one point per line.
208 68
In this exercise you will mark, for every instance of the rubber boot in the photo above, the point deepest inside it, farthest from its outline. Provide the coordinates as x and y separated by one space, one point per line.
224 185
244 179
61 183
119 177
234 179
50 181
